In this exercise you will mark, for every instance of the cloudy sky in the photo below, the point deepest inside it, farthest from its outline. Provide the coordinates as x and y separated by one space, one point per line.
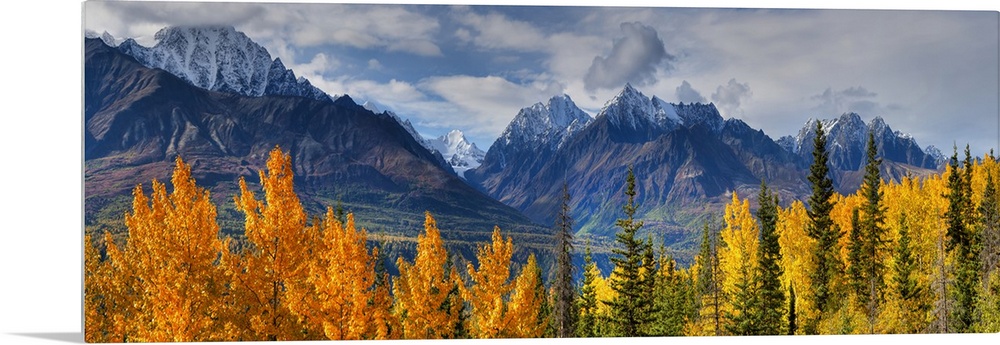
933 74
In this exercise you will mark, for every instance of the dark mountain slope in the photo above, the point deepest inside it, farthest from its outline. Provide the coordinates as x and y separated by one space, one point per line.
138 119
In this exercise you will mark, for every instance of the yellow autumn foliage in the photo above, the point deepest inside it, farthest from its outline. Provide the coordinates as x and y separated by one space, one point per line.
490 287
427 299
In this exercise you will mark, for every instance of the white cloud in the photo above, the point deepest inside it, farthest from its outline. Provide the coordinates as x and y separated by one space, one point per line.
496 31
375 65
393 28
463 34
319 64
634 58
729 97
856 99
488 102
686 93
420 47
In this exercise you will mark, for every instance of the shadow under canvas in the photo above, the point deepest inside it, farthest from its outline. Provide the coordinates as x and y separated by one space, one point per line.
68 337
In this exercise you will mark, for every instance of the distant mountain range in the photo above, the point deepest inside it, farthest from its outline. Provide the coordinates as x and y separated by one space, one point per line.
687 160
137 119
216 98
455 151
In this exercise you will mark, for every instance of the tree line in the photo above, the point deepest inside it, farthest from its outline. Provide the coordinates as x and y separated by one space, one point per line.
915 256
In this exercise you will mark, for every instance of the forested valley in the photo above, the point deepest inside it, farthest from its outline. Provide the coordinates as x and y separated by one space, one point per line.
915 256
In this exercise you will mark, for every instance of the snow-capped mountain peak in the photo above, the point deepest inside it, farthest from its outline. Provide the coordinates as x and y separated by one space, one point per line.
847 139
546 124
630 108
220 58
461 154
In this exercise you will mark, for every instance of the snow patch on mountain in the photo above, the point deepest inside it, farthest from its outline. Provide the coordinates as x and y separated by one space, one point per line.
219 58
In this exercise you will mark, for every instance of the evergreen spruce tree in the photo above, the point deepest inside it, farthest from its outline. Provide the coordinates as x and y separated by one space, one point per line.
709 286
962 243
822 229
909 292
564 313
673 298
769 310
588 298
340 214
744 318
989 219
856 255
873 225
632 309
545 309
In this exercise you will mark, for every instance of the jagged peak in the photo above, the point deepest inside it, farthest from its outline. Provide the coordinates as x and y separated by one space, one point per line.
345 100
166 32
545 123
851 116
277 64
221 58
561 98
628 95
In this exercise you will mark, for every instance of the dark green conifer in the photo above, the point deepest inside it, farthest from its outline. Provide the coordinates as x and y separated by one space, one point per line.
909 292
588 298
792 326
769 311
962 243
632 310
822 229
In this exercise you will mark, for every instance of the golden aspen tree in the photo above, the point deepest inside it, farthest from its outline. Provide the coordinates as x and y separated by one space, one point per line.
341 281
116 281
524 318
102 303
738 261
93 318
164 285
602 286
907 308
275 266
797 258
490 287
425 304
841 316
843 210
385 324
